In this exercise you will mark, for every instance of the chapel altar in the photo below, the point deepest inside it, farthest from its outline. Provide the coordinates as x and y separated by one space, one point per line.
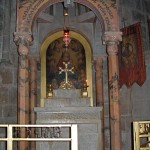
68 96
68 106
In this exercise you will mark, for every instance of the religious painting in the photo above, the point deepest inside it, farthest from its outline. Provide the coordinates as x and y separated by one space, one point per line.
131 60
58 55
148 21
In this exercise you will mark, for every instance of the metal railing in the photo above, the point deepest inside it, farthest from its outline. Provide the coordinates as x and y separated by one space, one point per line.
10 134
141 135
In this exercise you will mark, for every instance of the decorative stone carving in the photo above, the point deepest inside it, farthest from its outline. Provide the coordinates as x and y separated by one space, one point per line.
106 11
23 40
111 38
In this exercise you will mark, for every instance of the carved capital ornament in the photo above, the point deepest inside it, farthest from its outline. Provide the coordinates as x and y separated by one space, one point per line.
23 40
111 38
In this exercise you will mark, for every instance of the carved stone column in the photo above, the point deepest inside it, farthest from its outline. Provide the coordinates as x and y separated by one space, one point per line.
23 41
33 96
112 40
98 62
33 88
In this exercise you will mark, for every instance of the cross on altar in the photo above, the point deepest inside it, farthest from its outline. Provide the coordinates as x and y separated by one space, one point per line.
66 84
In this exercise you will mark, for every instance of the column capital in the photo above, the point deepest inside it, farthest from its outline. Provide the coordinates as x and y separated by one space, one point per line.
112 38
23 40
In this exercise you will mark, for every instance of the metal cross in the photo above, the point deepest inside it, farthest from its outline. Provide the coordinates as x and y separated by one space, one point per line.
66 70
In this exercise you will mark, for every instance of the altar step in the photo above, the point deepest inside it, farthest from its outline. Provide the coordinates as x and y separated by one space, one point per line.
69 107
67 98
68 115
88 120
67 102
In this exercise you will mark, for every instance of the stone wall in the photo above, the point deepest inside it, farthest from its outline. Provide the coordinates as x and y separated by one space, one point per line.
8 64
1 26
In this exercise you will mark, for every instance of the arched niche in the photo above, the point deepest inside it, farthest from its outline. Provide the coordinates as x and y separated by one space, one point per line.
88 53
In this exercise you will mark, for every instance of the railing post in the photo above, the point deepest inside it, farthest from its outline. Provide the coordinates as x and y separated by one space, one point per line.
74 137
136 136
9 138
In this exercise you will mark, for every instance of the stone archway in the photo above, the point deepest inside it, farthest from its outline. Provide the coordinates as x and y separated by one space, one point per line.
107 12
29 10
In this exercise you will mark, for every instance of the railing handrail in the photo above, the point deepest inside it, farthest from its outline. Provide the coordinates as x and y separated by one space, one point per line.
141 129
10 139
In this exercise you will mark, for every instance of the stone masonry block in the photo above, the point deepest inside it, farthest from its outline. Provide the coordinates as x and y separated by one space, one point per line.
138 16
138 4
146 5
13 95
127 2
4 96
10 111
7 76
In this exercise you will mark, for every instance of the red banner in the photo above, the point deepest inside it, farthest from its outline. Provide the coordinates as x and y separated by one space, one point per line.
131 59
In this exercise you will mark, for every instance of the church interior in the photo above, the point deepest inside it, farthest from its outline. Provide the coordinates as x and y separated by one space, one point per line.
75 69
